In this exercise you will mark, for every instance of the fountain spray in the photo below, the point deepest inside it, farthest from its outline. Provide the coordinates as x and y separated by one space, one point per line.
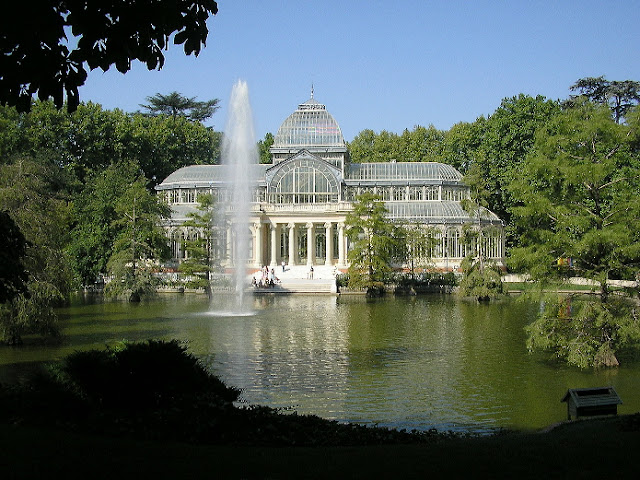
239 154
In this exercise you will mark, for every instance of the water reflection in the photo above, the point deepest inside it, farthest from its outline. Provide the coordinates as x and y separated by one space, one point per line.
418 362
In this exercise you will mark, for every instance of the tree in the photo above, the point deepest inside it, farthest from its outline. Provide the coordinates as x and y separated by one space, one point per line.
578 195
94 212
42 130
176 105
37 57
579 216
619 96
369 146
199 244
264 146
461 143
11 132
482 282
508 136
161 145
416 243
585 333
479 280
13 248
35 193
361 147
90 139
373 241
386 147
420 145
140 243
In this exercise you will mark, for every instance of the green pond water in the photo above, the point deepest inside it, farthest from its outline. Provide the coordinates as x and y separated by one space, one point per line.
410 362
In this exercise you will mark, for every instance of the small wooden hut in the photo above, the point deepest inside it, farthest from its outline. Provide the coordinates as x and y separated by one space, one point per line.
587 402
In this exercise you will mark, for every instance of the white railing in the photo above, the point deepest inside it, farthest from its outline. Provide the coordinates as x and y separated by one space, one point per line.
302 207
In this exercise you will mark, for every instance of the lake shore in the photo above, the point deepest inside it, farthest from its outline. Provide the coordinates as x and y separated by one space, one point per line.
594 448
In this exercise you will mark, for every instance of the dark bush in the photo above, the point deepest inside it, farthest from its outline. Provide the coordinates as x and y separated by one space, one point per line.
139 375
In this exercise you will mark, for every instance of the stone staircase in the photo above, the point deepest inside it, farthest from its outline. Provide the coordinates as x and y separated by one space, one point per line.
296 279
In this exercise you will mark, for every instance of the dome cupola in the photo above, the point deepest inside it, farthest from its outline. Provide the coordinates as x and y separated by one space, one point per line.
311 125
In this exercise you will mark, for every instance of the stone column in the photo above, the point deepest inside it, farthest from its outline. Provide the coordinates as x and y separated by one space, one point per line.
445 253
341 245
310 244
292 243
258 244
274 231
328 258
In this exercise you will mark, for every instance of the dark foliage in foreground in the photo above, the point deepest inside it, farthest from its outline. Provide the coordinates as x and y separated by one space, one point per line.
140 376
157 391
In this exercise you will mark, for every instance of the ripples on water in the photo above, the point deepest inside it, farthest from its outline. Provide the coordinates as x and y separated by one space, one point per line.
424 362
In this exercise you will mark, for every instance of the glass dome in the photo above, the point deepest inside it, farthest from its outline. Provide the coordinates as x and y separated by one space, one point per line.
310 125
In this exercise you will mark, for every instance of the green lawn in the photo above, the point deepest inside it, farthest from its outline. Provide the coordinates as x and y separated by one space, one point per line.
563 287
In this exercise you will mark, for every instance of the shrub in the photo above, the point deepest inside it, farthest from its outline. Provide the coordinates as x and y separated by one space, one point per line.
342 280
481 282
153 373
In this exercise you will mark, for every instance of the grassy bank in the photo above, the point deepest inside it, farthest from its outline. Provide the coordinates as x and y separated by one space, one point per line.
530 287
602 448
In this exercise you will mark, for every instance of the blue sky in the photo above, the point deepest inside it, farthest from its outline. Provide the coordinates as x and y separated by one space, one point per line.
389 65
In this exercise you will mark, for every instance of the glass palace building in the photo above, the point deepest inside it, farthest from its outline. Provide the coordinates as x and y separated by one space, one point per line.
302 198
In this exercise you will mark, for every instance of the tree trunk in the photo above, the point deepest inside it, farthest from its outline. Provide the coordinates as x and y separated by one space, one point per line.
604 291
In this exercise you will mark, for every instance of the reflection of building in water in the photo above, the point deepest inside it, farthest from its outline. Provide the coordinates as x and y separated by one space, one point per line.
302 198
293 353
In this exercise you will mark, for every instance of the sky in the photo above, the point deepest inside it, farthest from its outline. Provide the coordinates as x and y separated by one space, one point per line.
388 65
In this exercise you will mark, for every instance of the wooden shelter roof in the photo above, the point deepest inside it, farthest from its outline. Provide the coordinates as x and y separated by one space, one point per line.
592 397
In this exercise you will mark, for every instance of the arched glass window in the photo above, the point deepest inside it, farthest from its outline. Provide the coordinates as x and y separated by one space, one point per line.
304 181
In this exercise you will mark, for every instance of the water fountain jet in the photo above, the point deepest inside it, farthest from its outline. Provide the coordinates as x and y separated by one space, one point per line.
239 155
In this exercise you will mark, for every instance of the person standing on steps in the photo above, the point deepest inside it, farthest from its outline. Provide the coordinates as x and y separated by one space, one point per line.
311 272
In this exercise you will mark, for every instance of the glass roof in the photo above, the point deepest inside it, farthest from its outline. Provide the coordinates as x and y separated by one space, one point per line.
310 125
402 171
204 175
437 212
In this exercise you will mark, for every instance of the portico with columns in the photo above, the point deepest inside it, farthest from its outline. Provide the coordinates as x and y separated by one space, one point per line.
301 241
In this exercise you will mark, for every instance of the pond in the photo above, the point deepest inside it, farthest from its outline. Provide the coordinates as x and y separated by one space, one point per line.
423 362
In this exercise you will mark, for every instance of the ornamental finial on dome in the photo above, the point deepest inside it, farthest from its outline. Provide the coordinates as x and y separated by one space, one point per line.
312 103
310 126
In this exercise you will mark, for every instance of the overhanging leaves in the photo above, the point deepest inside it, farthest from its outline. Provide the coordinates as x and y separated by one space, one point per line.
46 44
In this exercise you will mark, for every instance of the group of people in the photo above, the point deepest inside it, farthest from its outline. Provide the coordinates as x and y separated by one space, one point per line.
265 278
